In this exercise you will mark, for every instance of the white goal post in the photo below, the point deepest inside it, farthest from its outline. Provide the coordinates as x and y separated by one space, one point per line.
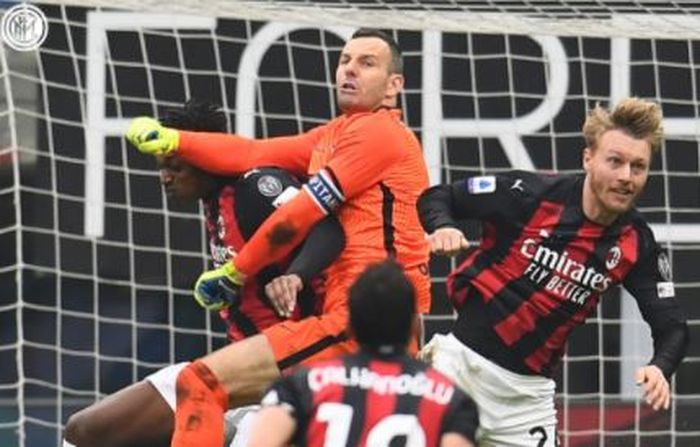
97 272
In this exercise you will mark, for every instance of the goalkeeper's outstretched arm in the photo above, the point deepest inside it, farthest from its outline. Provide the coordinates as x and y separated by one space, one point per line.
223 154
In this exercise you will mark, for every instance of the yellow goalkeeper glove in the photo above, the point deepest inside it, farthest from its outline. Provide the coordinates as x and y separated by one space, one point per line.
220 288
150 137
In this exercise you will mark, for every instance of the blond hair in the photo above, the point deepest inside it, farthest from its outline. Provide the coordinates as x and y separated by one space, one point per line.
636 117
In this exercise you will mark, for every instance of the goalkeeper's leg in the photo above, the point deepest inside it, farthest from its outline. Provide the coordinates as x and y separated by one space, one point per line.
139 415
238 374
234 376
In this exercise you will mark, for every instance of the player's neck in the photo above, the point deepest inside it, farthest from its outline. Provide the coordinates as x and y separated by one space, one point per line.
384 350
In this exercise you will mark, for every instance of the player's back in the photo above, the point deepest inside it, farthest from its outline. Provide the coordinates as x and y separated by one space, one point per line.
363 400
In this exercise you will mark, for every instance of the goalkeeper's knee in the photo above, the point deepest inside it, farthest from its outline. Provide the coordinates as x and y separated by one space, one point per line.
196 382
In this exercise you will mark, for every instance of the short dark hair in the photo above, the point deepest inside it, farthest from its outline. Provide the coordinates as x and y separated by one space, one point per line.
382 306
197 116
396 57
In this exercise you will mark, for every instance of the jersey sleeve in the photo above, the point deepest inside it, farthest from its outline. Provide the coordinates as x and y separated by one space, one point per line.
461 416
364 151
483 197
322 246
650 283
229 154
288 392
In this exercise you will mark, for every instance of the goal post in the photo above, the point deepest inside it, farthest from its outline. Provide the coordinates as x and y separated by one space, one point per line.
96 265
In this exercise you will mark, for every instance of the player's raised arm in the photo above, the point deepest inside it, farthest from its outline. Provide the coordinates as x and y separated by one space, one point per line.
435 209
220 153
442 206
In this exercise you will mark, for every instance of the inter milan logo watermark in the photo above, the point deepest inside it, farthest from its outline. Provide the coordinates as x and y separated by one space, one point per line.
24 27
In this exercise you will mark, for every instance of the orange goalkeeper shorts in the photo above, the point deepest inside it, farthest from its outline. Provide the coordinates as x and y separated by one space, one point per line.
310 339
316 337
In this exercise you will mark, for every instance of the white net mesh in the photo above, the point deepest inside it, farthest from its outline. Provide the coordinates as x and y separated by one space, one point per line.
592 18
96 267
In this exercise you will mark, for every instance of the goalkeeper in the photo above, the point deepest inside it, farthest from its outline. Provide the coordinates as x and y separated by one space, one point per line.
234 207
366 167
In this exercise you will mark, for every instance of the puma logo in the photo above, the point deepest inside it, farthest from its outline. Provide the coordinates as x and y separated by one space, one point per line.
518 185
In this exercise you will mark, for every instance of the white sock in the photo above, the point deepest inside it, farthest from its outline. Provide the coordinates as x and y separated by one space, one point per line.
68 444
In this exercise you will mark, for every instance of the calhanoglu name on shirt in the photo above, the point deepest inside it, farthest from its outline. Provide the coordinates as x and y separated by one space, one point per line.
417 385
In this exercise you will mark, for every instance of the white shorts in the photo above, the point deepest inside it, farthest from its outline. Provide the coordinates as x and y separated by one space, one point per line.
164 381
514 409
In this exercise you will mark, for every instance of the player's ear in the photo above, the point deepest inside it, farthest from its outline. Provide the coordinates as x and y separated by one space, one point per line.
395 84
587 157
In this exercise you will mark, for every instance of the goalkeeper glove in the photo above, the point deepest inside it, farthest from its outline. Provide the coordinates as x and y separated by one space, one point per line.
150 137
220 288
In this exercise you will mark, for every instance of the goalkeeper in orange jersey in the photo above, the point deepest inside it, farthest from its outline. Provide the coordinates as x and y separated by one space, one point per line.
366 167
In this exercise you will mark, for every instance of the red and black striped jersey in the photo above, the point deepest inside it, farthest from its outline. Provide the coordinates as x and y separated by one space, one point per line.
365 399
542 266
233 215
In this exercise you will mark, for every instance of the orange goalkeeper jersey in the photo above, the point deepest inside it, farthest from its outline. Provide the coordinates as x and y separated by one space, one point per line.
376 162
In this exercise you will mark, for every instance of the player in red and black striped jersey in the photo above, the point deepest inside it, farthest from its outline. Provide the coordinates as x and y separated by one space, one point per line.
542 266
233 212
234 208
377 396
551 245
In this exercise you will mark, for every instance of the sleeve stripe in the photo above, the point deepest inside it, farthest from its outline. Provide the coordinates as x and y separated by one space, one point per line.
324 192
329 179
315 199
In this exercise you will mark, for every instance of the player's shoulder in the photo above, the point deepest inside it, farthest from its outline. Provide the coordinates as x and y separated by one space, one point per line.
267 182
254 175
542 181
635 218
521 183
637 222
383 123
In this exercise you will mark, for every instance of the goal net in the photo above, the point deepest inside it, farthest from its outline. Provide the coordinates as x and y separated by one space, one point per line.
96 265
